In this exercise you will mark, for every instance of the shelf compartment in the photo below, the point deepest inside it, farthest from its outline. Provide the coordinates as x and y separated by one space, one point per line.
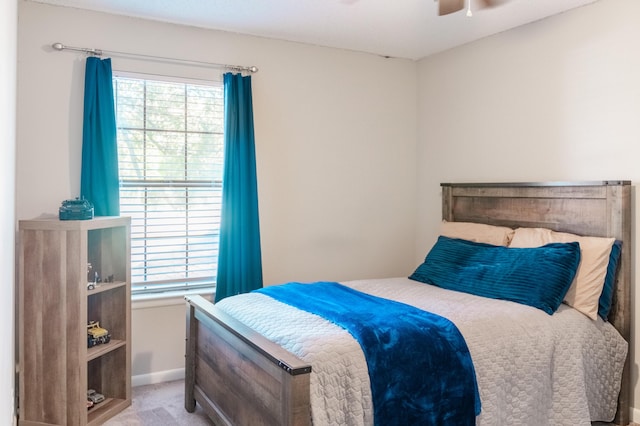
110 307
104 374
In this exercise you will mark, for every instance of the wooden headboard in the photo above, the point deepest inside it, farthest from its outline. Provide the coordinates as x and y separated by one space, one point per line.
601 209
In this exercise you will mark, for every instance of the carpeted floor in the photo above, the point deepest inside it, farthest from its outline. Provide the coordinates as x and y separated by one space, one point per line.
159 405
163 405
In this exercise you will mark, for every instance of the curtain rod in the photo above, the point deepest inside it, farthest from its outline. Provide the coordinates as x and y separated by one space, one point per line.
99 52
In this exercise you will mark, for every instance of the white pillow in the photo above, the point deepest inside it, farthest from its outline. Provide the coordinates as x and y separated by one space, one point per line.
587 285
477 232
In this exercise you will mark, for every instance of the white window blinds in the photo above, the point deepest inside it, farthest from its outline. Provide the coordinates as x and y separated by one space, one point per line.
170 149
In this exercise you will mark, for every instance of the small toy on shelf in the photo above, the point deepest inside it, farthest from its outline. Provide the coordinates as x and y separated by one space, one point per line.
92 277
96 334
94 397
77 209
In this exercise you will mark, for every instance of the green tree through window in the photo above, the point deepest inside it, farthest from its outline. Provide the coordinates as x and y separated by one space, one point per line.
170 149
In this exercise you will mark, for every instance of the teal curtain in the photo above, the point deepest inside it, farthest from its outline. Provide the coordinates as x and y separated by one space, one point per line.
239 257
99 174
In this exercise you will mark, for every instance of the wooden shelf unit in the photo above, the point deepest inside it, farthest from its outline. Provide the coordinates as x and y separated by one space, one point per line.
56 368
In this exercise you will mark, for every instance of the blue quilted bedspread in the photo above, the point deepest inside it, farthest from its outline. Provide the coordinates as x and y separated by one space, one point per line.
419 365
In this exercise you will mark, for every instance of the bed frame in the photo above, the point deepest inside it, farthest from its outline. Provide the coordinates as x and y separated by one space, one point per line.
240 378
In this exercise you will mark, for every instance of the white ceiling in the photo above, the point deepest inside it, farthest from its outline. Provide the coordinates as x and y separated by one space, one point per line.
398 28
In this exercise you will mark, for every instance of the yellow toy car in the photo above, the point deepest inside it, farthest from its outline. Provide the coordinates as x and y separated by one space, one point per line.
96 334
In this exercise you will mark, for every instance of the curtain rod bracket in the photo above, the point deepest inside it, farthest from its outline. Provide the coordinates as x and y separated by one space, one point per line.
61 47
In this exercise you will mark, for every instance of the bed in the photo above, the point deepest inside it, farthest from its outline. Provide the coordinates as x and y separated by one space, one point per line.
240 377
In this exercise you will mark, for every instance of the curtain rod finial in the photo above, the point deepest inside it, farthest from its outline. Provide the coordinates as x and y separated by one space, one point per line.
58 46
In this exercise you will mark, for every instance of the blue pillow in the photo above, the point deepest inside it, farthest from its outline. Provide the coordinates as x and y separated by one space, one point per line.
538 277
606 298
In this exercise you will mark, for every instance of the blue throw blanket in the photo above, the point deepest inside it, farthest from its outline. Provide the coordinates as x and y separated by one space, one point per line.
420 368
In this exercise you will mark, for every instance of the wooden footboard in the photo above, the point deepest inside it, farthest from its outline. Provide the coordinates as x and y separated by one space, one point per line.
239 377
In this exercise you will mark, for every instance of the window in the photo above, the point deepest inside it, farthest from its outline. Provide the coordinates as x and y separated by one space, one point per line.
170 155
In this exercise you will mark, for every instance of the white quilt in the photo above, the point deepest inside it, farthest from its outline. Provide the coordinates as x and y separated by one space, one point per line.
532 368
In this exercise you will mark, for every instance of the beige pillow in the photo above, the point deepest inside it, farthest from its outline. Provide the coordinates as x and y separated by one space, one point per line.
478 232
586 288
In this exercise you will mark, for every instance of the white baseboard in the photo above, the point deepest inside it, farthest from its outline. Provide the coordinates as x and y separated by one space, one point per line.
157 377
635 415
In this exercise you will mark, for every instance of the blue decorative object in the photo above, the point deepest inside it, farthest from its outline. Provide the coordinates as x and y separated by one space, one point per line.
606 298
240 256
420 368
538 277
99 175
78 209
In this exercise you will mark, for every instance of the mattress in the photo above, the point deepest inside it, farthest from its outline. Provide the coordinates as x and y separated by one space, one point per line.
532 368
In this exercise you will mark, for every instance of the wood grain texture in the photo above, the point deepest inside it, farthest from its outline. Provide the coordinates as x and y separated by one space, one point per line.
601 209
55 366
237 375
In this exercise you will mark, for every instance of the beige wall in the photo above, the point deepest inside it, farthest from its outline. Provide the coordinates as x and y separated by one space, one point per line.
335 135
555 100
8 48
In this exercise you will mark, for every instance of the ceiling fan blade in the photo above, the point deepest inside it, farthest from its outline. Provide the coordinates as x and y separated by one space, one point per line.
492 3
446 7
